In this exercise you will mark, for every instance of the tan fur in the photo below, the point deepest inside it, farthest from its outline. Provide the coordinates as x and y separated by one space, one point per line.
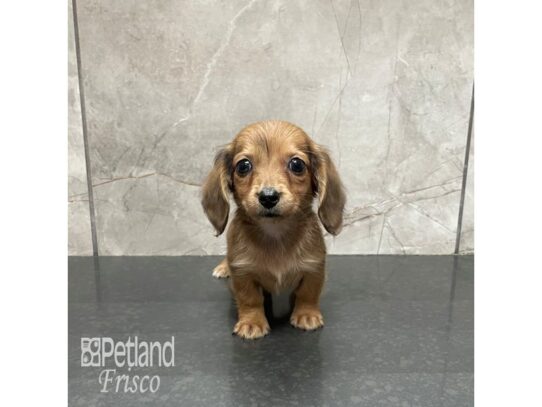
280 252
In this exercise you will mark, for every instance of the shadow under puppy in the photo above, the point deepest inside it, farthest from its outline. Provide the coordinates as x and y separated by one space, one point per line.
274 171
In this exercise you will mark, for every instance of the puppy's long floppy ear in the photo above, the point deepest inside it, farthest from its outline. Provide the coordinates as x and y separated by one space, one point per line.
327 184
215 192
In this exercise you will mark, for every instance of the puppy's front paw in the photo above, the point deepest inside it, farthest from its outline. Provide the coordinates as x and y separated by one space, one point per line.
251 329
307 319
221 271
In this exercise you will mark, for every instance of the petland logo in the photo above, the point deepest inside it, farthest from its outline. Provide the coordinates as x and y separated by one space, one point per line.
132 353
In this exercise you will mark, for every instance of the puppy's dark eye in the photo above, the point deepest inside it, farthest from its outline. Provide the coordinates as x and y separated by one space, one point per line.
243 167
296 165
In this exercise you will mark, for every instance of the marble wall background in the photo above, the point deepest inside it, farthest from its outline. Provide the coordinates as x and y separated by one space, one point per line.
466 242
386 85
79 232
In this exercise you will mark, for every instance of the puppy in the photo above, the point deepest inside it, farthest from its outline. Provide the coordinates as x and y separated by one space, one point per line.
274 171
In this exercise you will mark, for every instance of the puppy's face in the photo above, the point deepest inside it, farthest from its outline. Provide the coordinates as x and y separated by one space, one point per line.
271 172
274 171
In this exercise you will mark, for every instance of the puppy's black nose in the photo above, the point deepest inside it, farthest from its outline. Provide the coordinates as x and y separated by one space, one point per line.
268 197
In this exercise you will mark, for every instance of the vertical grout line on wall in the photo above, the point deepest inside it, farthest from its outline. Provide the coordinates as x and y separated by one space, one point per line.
85 131
465 173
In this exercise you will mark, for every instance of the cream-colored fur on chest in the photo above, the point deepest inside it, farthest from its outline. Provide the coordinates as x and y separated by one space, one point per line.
279 266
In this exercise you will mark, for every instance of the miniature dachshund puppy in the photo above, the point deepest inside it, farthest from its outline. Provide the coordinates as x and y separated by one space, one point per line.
274 171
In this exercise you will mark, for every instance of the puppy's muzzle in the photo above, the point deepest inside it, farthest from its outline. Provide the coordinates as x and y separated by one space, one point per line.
268 197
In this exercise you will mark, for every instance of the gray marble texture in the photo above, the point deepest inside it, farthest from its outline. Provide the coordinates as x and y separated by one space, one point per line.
385 85
399 332
466 244
79 234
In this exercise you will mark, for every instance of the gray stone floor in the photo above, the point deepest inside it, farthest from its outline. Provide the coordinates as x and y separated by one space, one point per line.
399 332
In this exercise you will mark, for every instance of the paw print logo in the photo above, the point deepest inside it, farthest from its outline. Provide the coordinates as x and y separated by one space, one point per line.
90 352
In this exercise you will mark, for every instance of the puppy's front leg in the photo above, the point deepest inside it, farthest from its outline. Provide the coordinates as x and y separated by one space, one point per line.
306 314
252 323
222 270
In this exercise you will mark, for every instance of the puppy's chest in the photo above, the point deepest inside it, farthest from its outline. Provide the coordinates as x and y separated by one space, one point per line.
278 274
277 270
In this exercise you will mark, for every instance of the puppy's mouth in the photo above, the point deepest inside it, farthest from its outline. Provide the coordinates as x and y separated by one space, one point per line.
269 214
